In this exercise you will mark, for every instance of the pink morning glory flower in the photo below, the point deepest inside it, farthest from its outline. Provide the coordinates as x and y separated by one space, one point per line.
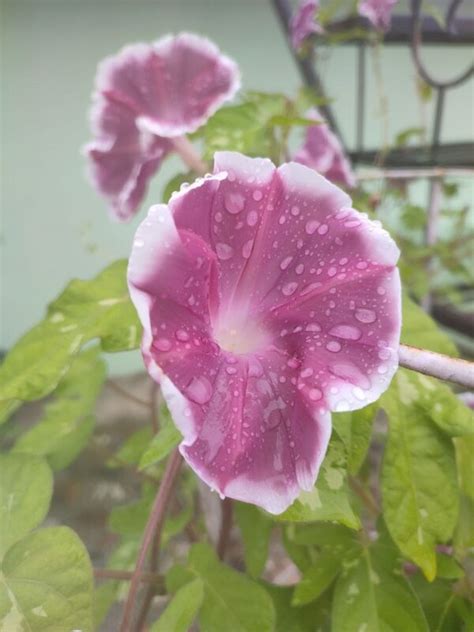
378 12
303 23
147 96
267 302
323 152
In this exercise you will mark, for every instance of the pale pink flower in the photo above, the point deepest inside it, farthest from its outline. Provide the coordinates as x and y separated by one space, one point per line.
266 302
378 12
322 151
146 95
303 23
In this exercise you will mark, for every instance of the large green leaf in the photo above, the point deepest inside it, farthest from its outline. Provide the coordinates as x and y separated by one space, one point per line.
371 598
46 584
464 455
419 489
325 568
162 443
355 430
329 499
232 601
99 308
182 609
420 330
68 421
308 618
26 485
256 529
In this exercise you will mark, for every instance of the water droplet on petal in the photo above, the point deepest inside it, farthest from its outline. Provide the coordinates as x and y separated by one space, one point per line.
313 327
252 218
257 195
308 372
234 202
182 335
332 271
289 288
286 262
311 226
199 390
315 394
299 268
323 229
333 346
366 316
224 251
295 211
346 332
362 265
163 344
247 249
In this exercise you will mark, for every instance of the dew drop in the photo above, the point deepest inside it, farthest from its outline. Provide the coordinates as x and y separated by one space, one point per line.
252 218
289 288
247 249
352 223
295 211
199 390
224 251
299 268
381 291
315 394
332 271
230 370
313 327
366 316
311 226
285 262
163 344
333 346
323 229
308 372
362 265
257 195
182 335
346 332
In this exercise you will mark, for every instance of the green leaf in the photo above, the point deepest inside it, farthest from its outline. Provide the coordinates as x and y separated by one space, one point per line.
403 138
132 449
437 600
232 601
355 430
302 619
130 519
256 529
8 407
420 330
47 583
464 451
317 578
448 568
370 598
329 500
26 486
103 598
99 308
419 490
162 443
182 609
68 421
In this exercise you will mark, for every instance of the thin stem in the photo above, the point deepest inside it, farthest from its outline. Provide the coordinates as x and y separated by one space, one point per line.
152 530
121 391
414 174
120 575
437 365
226 526
365 495
189 155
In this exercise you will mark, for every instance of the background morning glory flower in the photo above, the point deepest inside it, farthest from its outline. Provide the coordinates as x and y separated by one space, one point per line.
378 12
267 302
322 151
147 96
303 23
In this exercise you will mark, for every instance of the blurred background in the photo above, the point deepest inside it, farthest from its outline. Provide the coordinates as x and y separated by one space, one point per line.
53 224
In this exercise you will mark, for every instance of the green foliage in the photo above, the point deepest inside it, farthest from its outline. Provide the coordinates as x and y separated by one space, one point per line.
182 609
308 618
355 431
69 420
329 500
100 308
161 445
419 487
420 330
47 583
256 528
26 485
231 600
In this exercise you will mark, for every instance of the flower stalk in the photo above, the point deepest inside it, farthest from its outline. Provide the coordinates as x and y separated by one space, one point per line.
152 530
189 155
437 365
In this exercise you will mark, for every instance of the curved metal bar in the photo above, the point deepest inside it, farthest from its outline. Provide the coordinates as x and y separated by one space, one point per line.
416 41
